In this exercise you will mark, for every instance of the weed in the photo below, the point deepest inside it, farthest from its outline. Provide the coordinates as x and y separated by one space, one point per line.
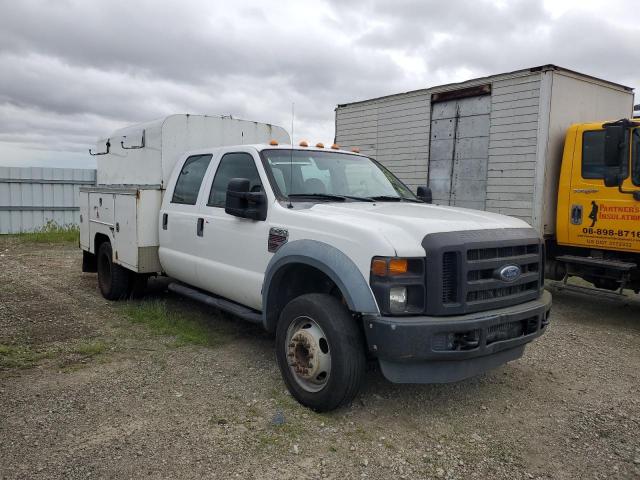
51 232
89 349
21 356
185 327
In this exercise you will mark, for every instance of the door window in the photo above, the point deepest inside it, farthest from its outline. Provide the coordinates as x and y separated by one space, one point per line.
190 179
233 165
593 164
636 157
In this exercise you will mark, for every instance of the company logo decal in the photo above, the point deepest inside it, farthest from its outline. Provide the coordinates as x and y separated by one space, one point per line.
594 213
509 273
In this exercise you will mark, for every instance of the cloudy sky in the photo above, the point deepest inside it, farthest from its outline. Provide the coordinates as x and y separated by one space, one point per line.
73 70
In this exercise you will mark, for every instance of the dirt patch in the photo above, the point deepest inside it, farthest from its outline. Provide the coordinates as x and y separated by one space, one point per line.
87 391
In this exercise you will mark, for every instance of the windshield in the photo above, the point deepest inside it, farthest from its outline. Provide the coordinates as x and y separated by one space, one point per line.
635 167
300 173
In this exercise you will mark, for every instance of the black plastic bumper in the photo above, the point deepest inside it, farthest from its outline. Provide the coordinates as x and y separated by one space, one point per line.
447 349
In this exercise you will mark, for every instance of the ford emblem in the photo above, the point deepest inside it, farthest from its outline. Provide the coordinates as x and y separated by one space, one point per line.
509 273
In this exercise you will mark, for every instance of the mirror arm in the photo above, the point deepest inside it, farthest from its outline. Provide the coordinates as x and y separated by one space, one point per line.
628 192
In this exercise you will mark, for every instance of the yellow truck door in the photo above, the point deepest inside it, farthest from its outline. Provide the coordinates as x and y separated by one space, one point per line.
596 216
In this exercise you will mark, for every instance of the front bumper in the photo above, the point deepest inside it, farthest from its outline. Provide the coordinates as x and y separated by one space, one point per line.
425 349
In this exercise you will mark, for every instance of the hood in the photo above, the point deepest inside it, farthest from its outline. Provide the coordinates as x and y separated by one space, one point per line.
404 224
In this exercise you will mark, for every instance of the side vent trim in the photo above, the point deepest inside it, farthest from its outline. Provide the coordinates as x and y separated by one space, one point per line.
277 238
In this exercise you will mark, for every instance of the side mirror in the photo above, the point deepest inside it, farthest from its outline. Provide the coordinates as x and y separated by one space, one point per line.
613 179
424 194
241 202
614 143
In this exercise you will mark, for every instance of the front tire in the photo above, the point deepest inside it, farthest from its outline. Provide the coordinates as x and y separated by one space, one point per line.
320 351
113 279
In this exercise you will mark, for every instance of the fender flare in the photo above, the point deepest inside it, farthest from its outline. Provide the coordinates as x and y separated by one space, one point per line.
329 260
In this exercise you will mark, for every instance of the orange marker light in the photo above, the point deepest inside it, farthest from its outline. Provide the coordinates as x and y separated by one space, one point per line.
379 267
355 150
304 143
319 145
335 146
273 142
398 266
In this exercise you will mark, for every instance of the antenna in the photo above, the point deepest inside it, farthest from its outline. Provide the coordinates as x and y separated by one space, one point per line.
291 155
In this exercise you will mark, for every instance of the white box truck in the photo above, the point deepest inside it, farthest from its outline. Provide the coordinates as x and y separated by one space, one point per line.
323 247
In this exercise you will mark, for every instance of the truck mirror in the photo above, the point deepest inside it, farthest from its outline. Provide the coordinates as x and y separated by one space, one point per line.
424 194
241 202
614 143
613 179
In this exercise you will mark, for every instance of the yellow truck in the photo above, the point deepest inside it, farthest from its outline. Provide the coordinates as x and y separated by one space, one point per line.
526 144
598 212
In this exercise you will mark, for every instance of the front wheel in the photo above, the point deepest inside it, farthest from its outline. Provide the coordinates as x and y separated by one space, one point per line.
320 351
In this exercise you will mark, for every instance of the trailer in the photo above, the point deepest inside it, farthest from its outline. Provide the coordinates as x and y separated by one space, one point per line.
492 143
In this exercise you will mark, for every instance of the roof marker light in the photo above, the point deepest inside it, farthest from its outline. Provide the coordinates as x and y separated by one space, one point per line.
304 143
335 146
319 145
355 150
273 142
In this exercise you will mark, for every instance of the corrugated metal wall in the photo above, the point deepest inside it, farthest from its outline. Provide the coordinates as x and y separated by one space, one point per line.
513 138
30 197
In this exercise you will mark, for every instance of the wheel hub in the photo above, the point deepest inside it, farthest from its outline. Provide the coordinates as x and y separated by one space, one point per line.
301 353
308 354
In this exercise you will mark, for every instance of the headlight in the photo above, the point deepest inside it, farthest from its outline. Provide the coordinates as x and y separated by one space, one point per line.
398 285
398 299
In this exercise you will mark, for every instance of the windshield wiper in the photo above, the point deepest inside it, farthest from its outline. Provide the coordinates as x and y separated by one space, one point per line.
391 198
331 196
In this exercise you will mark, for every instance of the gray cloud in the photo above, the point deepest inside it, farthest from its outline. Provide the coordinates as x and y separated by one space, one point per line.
74 70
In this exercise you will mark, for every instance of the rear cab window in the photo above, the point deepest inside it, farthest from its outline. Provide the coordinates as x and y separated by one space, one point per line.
189 181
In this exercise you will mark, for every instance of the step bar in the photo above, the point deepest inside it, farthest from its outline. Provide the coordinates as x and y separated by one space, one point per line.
216 302
614 270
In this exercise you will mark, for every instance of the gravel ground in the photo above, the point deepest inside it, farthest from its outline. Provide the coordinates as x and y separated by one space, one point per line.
84 392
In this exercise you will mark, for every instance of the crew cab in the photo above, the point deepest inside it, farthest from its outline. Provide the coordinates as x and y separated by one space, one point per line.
333 254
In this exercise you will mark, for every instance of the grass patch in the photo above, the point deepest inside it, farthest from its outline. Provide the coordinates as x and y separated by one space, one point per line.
90 349
14 356
187 328
51 233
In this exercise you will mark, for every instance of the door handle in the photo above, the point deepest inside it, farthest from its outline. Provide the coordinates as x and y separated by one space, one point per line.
200 228
165 221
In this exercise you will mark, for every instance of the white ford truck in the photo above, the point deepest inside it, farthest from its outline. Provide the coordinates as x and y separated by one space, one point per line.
323 247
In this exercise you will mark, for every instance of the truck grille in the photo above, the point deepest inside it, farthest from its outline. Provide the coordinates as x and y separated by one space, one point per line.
467 277
449 280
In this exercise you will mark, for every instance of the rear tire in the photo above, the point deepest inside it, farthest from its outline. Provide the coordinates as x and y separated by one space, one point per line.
113 279
320 351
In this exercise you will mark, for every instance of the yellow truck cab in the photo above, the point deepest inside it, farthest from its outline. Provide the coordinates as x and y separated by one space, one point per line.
598 214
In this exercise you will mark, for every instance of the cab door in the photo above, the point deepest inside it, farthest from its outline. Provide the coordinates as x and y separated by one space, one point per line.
180 221
235 255
600 217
